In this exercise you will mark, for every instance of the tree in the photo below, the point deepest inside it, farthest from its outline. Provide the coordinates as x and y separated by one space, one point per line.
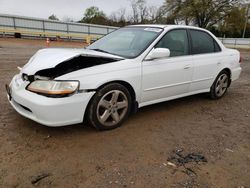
158 15
118 18
204 13
233 24
94 16
175 10
139 11
53 17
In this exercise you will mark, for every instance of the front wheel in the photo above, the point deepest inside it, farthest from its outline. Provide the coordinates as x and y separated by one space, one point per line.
220 85
109 107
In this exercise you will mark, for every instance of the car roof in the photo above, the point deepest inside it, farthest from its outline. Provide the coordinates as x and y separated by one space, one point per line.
149 25
166 26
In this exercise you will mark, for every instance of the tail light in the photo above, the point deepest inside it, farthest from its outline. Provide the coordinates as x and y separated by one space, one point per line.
241 59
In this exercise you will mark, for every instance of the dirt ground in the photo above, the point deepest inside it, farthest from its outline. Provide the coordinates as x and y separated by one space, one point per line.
134 155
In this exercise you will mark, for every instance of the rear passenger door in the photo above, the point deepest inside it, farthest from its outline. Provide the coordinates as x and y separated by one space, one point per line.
207 59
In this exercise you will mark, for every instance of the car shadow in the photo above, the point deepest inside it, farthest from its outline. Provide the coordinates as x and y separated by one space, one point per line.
180 102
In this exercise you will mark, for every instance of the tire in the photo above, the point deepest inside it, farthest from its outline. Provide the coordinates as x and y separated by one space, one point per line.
109 107
220 85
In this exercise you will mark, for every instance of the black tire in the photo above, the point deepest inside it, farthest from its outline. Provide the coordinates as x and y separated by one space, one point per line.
214 93
95 108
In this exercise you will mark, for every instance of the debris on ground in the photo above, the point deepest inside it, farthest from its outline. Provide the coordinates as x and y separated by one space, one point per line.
39 177
229 150
171 164
47 137
179 159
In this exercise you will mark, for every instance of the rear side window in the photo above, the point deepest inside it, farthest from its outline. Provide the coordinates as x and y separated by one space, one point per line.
216 47
203 43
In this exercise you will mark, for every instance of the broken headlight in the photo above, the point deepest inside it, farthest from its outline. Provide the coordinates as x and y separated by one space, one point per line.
53 87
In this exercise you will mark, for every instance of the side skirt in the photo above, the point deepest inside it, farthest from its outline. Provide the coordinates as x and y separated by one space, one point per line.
172 97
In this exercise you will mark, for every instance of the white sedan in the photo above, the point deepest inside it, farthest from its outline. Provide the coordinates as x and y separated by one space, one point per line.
127 69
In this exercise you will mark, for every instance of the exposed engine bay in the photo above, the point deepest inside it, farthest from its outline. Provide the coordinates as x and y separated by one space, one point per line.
65 67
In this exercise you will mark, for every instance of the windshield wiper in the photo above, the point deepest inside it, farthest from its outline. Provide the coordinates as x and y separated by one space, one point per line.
100 50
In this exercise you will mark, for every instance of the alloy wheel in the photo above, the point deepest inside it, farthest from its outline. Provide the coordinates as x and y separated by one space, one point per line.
112 108
221 85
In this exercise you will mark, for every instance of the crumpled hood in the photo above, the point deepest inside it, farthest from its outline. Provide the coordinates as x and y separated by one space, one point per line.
51 57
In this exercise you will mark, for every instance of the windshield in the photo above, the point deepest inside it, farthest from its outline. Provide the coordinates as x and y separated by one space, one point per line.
128 42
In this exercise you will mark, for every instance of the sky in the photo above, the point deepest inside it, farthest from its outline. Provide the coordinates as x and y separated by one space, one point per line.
73 9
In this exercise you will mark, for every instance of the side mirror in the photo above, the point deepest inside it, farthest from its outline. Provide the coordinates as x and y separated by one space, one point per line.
158 53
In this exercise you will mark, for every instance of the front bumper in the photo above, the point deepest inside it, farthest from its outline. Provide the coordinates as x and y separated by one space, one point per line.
45 110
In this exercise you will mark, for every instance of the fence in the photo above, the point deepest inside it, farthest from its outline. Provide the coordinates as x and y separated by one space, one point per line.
236 42
34 27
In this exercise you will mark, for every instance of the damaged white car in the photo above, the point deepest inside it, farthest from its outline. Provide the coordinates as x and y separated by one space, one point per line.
127 69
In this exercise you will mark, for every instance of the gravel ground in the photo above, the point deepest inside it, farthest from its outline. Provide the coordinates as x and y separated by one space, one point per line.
136 154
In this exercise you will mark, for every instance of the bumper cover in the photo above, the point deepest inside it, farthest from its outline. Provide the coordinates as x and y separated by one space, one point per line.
45 110
236 73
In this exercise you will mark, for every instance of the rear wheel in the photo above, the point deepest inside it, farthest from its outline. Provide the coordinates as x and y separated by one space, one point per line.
109 107
220 85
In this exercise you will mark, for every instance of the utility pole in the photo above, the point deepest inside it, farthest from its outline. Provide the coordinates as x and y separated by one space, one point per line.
245 27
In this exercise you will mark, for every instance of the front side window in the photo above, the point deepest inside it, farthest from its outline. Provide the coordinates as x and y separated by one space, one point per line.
203 43
128 42
176 41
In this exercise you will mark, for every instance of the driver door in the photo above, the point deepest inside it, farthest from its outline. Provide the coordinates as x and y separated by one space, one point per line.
171 76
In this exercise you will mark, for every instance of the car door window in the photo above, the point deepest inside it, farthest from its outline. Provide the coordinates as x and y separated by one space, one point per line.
176 41
216 47
203 43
